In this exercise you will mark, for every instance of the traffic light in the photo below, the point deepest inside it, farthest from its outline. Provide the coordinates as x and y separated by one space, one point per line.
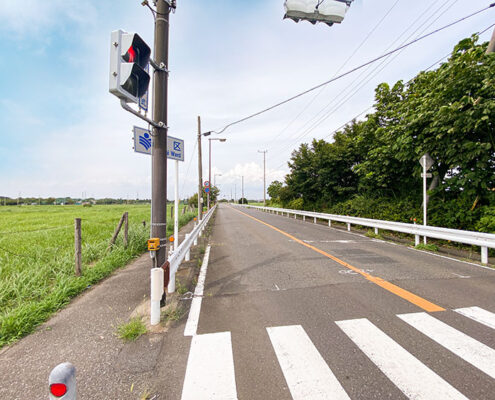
129 60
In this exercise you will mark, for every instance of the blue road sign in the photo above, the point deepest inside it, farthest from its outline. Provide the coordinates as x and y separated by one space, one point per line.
143 144
207 189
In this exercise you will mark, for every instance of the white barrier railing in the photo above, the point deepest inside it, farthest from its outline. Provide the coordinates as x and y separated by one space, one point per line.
484 240
183 251
175 259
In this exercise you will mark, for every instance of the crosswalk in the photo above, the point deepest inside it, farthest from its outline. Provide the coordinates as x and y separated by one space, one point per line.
210 372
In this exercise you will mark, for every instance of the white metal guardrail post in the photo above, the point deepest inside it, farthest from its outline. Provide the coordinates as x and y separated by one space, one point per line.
483 240
62 382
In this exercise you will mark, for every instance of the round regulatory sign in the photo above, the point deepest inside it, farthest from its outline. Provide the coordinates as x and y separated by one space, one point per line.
207 189
207 183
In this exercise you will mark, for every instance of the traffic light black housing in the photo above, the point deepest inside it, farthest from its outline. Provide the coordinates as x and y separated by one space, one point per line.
129 59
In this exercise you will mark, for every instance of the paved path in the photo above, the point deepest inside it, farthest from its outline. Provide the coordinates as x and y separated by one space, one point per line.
283 309
294 310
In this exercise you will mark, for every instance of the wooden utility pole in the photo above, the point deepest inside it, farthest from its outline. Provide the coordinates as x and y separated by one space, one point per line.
77 246
264 175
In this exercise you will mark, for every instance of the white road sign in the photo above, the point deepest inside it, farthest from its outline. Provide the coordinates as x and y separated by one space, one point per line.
426 159
143 142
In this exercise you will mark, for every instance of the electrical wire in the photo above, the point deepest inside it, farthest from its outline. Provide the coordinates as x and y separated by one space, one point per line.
351 71
338 70
369 108
352 89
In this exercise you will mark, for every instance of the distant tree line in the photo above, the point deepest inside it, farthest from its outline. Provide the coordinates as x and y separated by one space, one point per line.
371 168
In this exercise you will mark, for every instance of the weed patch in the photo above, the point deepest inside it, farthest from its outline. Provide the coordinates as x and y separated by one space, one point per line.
131 330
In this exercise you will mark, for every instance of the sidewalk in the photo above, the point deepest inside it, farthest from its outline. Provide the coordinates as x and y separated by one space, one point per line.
84 333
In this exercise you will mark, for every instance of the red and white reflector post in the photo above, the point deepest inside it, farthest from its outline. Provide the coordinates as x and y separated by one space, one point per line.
62 382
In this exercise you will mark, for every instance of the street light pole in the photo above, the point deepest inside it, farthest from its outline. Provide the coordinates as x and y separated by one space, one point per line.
209 168
209 174
200 174
159 146
264 175
242 180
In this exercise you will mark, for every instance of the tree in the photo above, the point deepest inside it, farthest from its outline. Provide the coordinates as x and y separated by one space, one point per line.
274 189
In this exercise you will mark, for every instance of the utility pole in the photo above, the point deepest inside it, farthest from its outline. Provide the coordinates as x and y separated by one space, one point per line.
159 146
264 175
491 45
242 180
200 173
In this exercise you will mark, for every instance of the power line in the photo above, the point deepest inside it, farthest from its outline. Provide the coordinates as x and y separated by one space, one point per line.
352 89
352 70
338 70
369 108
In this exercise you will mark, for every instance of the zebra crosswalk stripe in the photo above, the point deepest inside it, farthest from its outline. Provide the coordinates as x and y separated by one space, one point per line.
410 375
479 315
306 373
210 368
462 345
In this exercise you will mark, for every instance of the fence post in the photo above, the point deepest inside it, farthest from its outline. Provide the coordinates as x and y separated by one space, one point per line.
116 233
126 229
416 240
329 222
484 255
376 231
188 253
77 245
315 220
349 227
304 218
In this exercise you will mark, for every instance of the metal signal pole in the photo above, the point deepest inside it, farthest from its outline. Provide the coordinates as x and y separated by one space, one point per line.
159 149
264 175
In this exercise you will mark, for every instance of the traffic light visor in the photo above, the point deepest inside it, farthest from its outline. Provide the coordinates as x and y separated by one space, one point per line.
135 50
134 79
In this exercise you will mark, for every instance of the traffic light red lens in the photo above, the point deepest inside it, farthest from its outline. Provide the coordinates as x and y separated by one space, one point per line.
131 55
58 389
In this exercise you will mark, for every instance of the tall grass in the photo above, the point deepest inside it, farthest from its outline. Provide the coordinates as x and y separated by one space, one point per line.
37 257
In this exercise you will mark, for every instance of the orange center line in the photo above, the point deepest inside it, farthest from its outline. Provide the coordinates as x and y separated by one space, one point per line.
398 291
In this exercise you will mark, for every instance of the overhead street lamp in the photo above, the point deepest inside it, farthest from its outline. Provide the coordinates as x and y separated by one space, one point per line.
215 179
209 167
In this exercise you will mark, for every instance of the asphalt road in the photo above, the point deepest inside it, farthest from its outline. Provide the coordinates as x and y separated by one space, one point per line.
296 310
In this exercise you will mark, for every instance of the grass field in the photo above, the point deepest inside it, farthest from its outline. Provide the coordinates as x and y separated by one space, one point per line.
37 257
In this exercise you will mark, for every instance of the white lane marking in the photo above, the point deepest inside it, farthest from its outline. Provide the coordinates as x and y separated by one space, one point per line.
193 318
479 315
461 276
450 258
351 272
462 345
307 374
409 374
276 287
210 368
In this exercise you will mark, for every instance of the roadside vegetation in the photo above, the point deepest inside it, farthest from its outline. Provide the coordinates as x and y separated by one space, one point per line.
131 330
37 257
371 168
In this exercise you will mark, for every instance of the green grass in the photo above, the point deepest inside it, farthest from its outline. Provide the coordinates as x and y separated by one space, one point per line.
429 247
131 330
37 257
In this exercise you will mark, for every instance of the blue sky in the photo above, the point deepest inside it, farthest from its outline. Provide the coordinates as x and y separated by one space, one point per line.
64 134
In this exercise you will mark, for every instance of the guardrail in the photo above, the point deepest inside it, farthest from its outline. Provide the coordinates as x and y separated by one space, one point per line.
175 259
183 251
484 240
